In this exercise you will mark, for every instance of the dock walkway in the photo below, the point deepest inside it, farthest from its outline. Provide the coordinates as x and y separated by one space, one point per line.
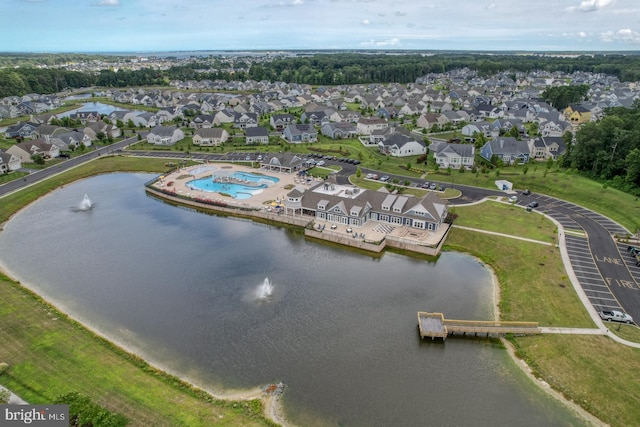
434 325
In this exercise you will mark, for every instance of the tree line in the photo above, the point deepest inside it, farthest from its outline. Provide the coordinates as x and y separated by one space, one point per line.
318 69
609 150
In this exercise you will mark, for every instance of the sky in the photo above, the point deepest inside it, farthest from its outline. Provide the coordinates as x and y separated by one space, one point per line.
179 25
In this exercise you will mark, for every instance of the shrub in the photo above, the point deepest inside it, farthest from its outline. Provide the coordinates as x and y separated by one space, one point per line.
3 367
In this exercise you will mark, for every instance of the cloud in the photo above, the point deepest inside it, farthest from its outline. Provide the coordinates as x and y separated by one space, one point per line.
582 34
626 34
590 5
398 13
365 22
108 3
491 6
381 43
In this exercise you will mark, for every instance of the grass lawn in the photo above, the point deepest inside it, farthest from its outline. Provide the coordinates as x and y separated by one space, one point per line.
534 286
506 218
50 355
617 205
593 371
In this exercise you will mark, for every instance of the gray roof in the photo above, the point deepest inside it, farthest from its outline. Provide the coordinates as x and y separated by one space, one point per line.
163 130
257 131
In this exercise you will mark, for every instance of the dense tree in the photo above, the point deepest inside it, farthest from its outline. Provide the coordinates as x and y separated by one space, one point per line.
561 96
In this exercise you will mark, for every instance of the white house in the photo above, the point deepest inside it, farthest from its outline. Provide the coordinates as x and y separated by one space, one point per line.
455 155
399 145
210 137
165 135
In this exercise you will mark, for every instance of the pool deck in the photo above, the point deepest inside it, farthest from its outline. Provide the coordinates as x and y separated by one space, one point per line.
367 237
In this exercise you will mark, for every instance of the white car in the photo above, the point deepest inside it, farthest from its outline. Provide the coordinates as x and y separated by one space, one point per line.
513 199
320 163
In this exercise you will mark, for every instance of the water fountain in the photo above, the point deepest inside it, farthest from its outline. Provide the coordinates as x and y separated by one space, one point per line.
265 290
85 204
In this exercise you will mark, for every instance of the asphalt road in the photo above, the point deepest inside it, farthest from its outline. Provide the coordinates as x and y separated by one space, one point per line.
42 174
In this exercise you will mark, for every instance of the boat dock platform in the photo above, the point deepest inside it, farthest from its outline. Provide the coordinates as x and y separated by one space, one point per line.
434 325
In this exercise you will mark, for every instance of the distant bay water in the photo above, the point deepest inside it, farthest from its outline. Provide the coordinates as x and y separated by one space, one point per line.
339 328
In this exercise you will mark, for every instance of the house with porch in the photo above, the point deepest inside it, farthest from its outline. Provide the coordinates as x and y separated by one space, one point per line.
165 135
455 155
339 130
508 149
257 135
399 145
210 137
280 121
24 150
299 133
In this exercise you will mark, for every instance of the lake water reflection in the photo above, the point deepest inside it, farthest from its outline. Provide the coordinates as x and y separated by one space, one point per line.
339 328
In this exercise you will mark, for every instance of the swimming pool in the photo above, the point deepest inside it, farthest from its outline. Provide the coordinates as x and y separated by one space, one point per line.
239 185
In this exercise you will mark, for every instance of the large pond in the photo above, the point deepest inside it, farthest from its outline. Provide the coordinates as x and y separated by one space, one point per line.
99 107
339 328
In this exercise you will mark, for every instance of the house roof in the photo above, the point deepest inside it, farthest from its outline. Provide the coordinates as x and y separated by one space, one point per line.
257 131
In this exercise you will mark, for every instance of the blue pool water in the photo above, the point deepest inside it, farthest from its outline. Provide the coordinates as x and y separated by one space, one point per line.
234 189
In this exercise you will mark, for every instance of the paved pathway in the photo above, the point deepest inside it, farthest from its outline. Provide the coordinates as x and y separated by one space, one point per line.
14 399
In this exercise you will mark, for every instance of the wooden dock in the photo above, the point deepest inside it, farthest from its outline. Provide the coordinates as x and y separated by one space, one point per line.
434 325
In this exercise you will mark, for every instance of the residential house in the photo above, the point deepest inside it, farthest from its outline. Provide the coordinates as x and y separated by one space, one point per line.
297 133
257 135
367 125
165 135
9 162
508 149
22 130
24 150
70 140
399 145
85 116
316 118
577 114
554 146
245 120
339 130
280 121
428 120
210 137
455 155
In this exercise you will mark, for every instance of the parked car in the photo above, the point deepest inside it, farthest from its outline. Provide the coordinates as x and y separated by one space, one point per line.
615 316
320 163
526 192
532 205
513 199
369 175
426 184
433 186
384 178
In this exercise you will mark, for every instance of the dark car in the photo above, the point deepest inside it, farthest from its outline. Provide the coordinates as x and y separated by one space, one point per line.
526 192
64 155
532 205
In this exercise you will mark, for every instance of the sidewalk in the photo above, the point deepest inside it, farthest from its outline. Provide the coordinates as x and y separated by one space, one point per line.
14 399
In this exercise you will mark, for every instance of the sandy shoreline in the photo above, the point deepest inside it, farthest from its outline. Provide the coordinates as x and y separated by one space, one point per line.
272 406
